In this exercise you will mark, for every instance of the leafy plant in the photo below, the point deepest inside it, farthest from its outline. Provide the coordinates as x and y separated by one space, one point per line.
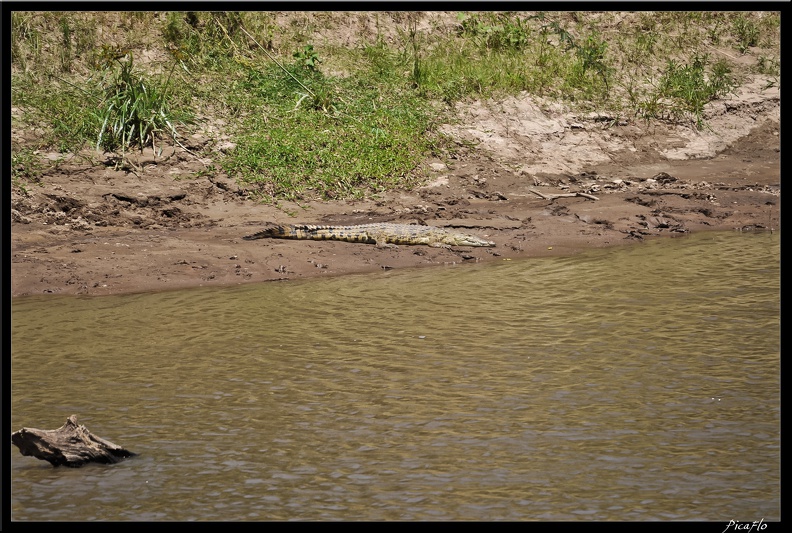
308 57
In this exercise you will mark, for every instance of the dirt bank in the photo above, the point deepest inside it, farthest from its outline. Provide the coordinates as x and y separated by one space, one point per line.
96 230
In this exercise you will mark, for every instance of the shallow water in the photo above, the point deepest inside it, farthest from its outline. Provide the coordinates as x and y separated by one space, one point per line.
636 383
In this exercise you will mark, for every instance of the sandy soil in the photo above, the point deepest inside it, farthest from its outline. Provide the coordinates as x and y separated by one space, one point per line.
95 230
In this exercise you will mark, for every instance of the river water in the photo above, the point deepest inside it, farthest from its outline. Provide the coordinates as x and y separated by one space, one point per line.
634 383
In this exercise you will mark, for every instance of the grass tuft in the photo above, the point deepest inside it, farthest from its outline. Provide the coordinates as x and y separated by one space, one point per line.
134 110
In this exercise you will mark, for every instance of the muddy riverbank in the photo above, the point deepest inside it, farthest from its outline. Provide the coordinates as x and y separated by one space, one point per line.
95 230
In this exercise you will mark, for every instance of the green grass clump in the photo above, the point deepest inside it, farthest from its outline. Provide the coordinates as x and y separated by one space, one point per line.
133 111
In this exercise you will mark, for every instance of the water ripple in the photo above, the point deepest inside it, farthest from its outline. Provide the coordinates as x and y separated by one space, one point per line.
626 384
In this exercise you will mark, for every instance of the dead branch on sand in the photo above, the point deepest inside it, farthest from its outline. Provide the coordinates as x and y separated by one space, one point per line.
563 195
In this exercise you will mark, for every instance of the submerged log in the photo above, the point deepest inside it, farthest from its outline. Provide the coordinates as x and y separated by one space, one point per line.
70 445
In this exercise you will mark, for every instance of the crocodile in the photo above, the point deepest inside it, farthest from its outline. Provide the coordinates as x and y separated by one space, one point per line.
384 234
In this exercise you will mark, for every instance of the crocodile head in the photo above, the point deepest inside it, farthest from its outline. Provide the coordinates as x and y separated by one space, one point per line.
461 239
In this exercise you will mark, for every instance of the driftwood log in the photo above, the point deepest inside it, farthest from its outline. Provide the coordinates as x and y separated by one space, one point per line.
548 196
70 445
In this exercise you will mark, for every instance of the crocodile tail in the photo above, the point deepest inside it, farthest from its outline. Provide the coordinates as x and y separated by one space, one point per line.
273 231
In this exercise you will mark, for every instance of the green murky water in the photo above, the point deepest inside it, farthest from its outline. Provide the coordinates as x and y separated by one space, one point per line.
640 383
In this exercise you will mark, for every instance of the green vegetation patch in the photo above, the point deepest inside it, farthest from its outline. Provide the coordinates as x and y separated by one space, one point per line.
344 138
685 88
332 119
